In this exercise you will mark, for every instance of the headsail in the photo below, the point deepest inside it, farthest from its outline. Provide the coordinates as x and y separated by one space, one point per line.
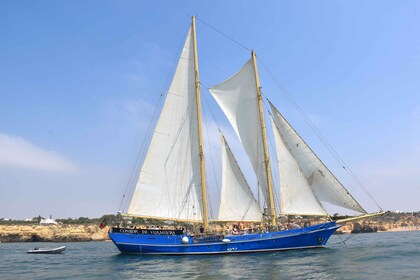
237 203
238 99
169 185
296 196
322 182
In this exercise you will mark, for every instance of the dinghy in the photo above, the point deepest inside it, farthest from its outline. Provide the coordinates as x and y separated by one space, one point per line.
37 250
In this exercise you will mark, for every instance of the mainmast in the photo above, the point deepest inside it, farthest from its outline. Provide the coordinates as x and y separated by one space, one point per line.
200 134
264 137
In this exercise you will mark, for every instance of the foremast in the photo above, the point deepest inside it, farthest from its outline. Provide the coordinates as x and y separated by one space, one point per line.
265 146
200 133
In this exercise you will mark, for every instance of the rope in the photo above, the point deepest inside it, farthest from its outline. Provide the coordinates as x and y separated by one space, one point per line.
224 34
140 152
275 173
345 240
212 163
208 105
212 144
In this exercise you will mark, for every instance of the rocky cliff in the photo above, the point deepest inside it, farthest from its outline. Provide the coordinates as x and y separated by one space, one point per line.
387 222
56 233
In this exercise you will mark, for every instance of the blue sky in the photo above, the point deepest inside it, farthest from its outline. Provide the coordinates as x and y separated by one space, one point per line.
79 81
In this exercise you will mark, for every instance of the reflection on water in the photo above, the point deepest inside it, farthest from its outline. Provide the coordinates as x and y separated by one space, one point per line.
366 256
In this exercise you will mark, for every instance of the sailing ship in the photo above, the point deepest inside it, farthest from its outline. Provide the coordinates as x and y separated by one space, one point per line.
172 184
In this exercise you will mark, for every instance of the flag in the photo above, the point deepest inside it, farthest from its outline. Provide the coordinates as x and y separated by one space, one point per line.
103 224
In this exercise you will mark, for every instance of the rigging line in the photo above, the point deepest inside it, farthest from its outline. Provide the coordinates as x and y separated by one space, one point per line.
211 157
274 174
211 138
212 145
273 154
140 152
266 103
224 34
351 235
319 134
343 241
164 90
216 121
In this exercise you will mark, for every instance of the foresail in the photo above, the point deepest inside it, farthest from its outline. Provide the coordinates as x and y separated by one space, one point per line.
323 183
237 97
169 185
237 203
296 196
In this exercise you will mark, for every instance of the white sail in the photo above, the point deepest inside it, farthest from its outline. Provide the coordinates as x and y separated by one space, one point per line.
296 196
237 203
169 184
323 183
237 96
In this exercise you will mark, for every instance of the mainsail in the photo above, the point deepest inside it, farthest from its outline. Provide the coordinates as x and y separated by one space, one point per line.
169 185
237 97
303 168
237 202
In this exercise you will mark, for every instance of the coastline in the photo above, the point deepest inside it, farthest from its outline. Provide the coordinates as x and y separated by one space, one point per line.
401 229
90 232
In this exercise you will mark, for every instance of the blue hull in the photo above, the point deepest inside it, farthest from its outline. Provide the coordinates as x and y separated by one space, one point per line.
171 244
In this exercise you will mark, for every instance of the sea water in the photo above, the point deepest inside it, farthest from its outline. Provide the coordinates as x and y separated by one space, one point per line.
388 255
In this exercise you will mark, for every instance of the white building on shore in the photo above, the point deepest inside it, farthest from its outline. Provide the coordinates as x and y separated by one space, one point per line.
47 221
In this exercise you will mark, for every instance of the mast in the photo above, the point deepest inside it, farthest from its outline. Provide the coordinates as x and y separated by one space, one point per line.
264 137
200 134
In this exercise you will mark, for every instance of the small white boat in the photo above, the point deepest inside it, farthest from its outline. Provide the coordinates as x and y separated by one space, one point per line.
37 250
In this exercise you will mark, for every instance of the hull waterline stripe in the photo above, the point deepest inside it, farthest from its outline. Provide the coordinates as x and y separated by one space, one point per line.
228 252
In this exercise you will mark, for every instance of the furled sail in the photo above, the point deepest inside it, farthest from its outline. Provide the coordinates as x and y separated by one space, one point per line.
296 196
322 182
169 184
237 203
237 96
